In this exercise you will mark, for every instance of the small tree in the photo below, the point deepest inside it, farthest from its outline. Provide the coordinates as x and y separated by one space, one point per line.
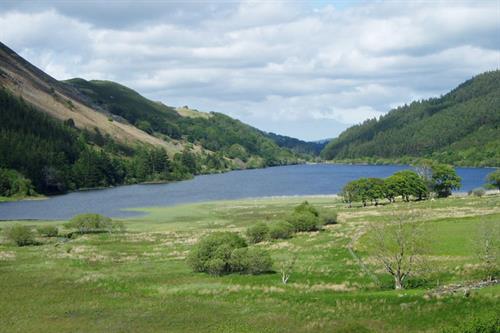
305 217
286 267
444 180
257 233
212 254
304 222
494 179
48 231
20 234
398 246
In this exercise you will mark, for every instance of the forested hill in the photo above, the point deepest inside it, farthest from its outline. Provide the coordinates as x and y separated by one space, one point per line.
64 135
460 128
298 146
212 131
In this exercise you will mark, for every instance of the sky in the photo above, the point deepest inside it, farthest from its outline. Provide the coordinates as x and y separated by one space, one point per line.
307 69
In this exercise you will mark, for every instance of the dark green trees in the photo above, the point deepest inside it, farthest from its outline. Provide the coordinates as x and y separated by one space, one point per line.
305 218
13 184
225 252
444 180
460 128
494 179
406 184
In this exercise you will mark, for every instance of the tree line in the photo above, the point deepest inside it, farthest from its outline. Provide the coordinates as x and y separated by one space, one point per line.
431 177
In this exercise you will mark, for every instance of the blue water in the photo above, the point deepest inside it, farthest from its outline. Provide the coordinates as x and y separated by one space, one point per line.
277 181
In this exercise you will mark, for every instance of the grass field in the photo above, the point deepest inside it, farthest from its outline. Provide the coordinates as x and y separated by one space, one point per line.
138 281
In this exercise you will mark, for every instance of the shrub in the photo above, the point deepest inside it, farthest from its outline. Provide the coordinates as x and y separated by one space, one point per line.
21 235
306 207
251 260
486 324
89 223
330 218
48 230
305 217
478 192
281 230
213 252
257 233
304 222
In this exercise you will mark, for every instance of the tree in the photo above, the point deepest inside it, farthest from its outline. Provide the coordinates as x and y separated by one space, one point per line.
286 267
406 183
350 193
20 234
444 180
494 179
212 253
398 246
305 217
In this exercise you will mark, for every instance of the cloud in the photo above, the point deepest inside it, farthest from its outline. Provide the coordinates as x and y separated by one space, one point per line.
304 70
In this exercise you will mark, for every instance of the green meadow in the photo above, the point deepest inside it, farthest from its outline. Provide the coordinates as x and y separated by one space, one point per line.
139 281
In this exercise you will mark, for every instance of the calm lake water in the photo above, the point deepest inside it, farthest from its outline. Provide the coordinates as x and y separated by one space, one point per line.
276 181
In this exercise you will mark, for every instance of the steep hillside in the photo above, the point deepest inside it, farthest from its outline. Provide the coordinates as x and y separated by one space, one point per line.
461 128
78 134
63 102
211 131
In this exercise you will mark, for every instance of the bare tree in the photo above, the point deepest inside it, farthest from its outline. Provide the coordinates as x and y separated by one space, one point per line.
488 247
399 246
286 267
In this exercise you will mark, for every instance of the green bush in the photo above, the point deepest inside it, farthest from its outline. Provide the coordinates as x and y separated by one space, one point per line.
304 222
213 252
306 207
13 184
257 233
478 192
251 260
330 218
305 217
48 230
90 223
281 230
226 252
485 324
20 234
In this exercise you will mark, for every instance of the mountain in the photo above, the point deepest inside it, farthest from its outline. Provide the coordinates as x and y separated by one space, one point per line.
66 135
460 128
211 131
298 146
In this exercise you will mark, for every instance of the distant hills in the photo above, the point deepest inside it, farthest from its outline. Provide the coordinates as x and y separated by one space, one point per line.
460 128
64 135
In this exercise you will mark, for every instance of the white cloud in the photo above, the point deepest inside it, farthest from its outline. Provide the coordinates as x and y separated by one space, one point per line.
267 63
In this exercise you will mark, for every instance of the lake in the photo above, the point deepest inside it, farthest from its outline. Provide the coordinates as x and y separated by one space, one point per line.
308 179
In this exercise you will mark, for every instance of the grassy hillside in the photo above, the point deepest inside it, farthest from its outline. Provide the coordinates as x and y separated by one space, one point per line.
461 128
213 131
139 280
61 101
